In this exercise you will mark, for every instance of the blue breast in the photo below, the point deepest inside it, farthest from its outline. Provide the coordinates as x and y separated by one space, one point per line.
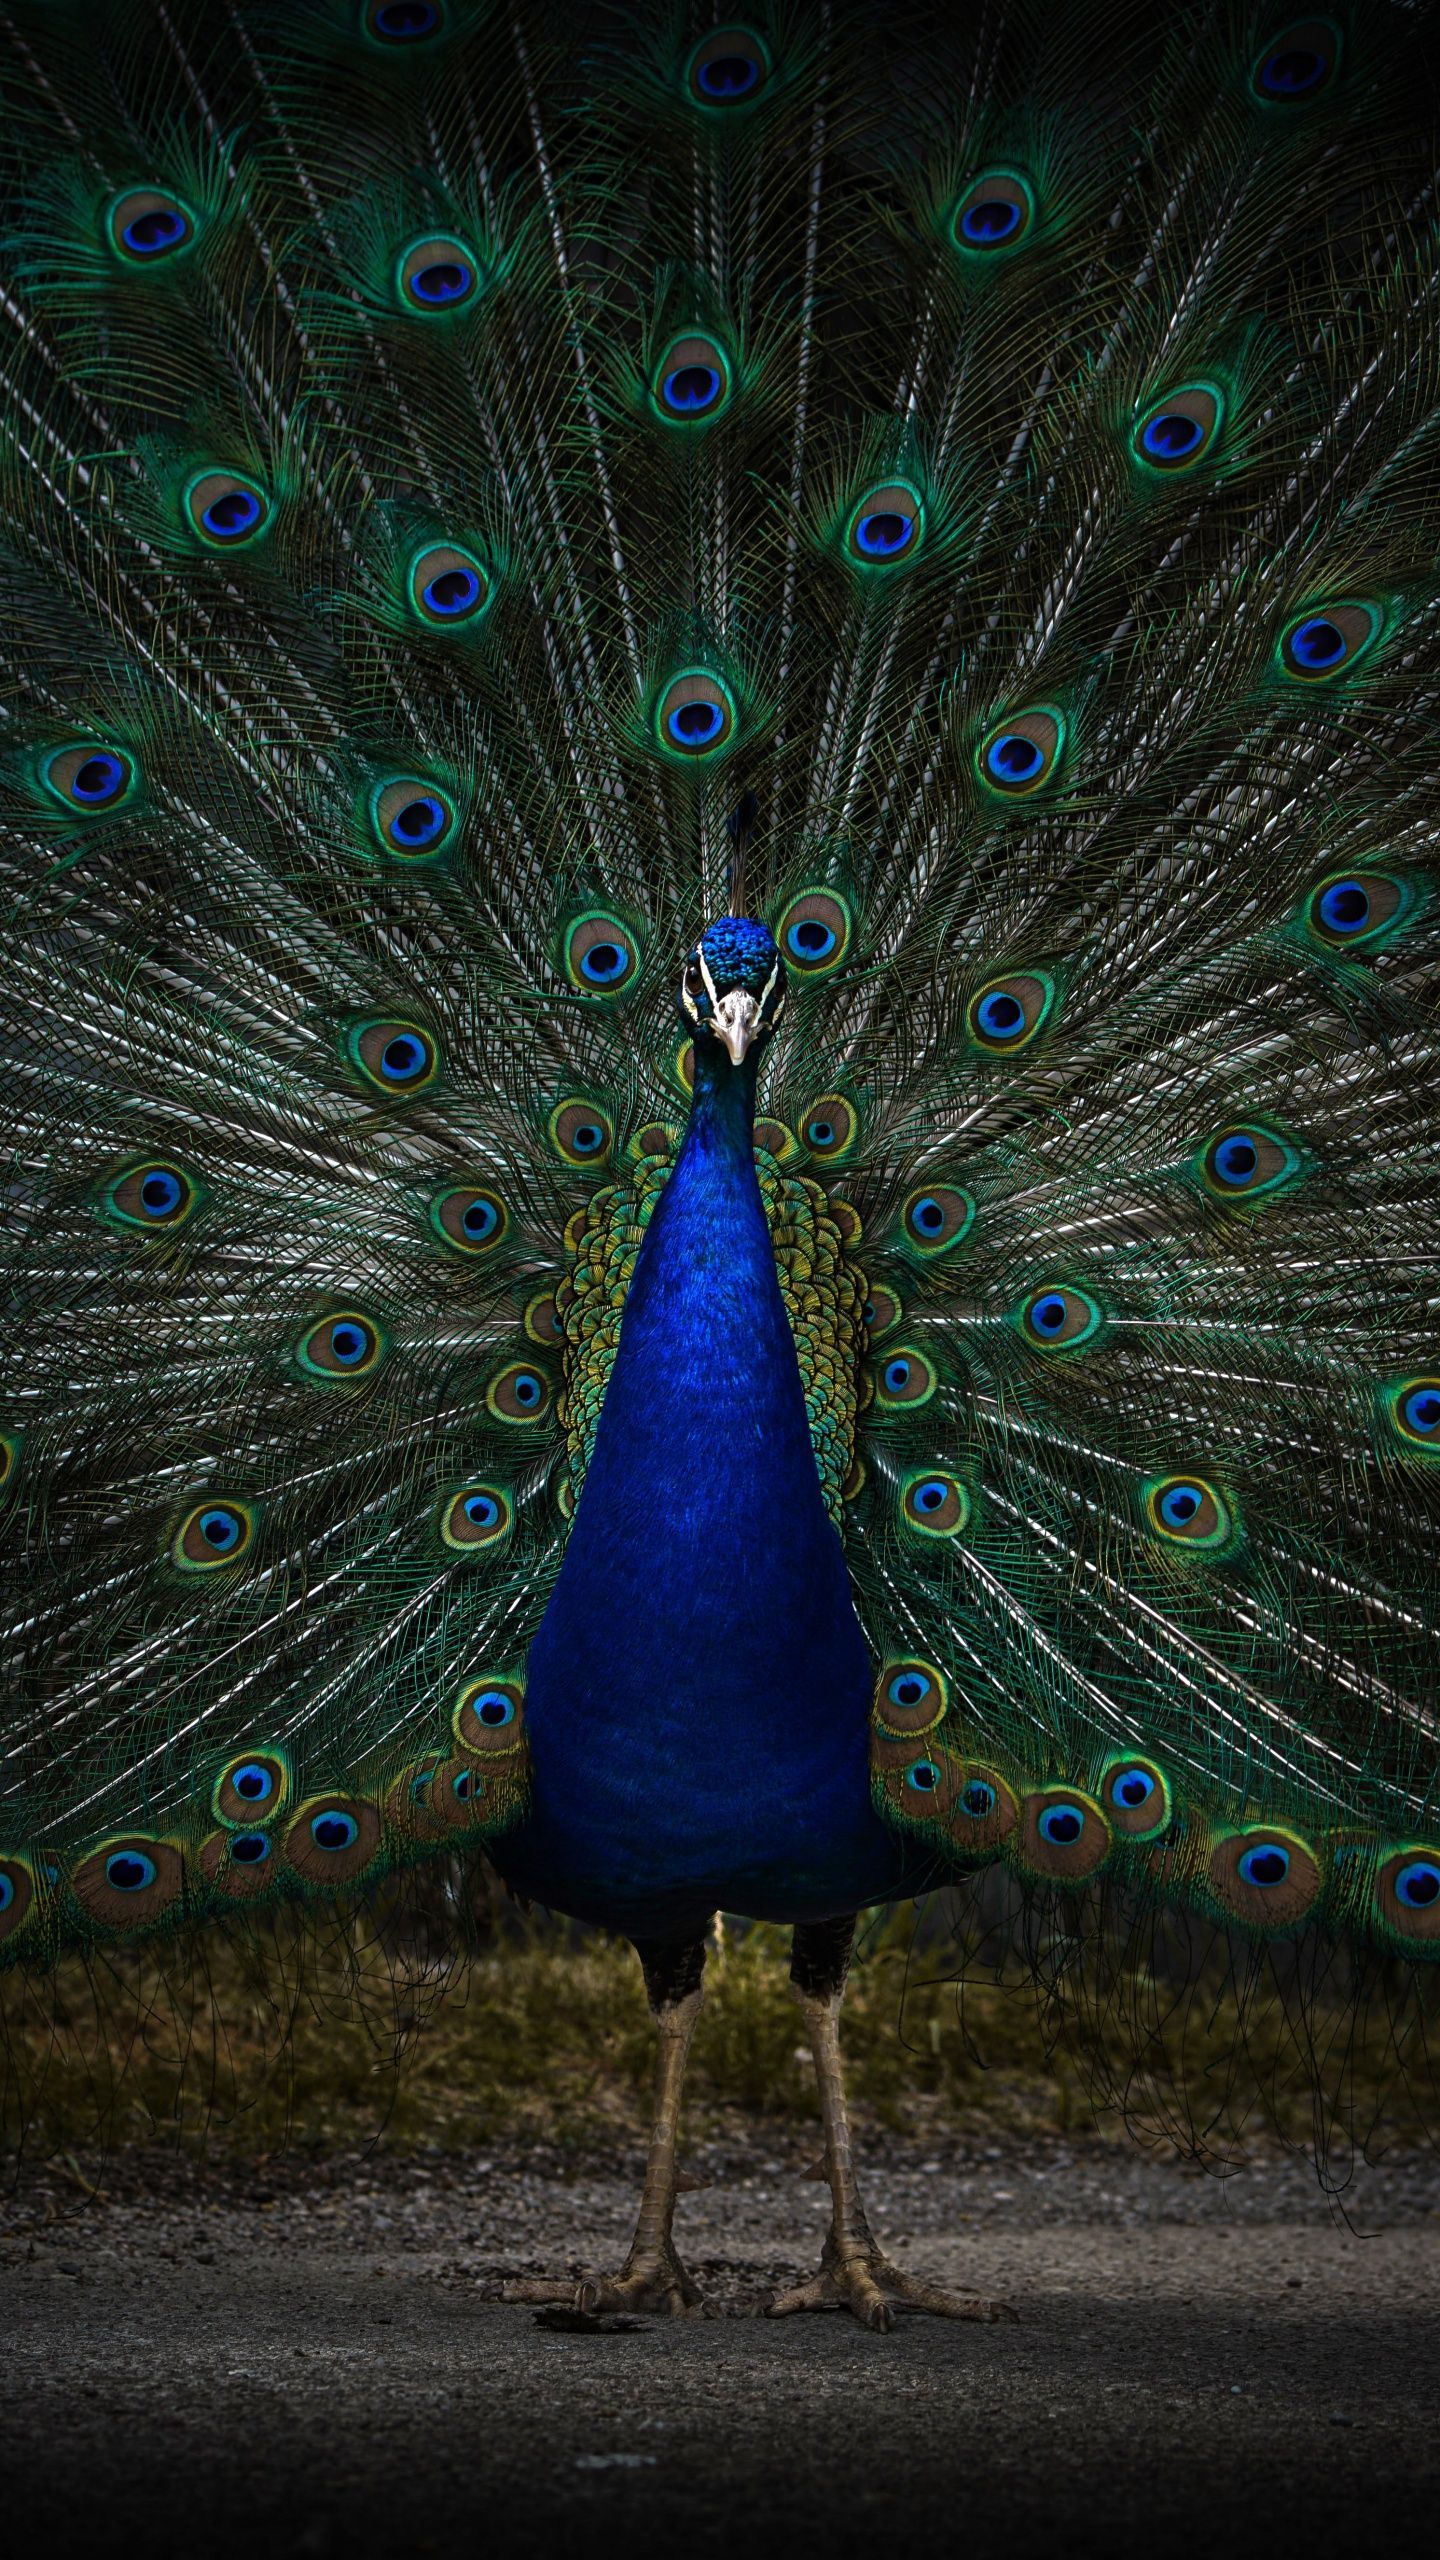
698 1693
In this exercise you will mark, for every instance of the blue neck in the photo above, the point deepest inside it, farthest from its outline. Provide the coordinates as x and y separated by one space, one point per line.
698 1692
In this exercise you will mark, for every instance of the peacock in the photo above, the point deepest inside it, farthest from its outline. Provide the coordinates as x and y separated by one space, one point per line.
721 958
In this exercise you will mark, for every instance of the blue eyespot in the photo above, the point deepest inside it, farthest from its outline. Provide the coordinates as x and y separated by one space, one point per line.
129 1871
418 822
462 1785
1265 1865
1132 1788
348 1344
1171 436
334 1830
910 1689
249 1848
231 517
1179 1503
977 1799
1298 65
897 1376
1236 1159
990 220
1012 759
442 283
927 1217
493 1707
254 1782
1344 907
691 389
1048 1313
605 962
526 1389
1421 1411
694 724
1318 643
1061 1825
403 1058
221 1529
1418 1885
152 233
885 534
455 591
923 1776
404 21
160 1193
1000 1016
931 1495
7 1891
479 1220
810 939
481 1510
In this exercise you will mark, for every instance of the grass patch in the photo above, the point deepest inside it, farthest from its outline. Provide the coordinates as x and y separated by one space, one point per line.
289 2039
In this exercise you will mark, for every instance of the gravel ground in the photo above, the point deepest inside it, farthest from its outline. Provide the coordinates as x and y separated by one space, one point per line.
288 2359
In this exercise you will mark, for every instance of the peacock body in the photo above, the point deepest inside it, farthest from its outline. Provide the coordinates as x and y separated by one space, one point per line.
719 831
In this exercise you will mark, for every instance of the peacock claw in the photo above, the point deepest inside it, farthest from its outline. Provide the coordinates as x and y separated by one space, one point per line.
657 2283
864 2282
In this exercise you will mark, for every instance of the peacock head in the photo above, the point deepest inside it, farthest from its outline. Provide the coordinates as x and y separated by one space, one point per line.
733 989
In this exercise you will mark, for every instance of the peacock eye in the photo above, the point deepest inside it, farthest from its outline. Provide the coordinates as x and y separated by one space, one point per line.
1136 1798
814 933
394 1057
1009 1011
148 224
1187 1510
1178 431
581 1132
882 1309
937 1217
518 1393
249 1786
436 275
887 525
729 68
225 510
90 778
995 212
447 586
936 1505
1322 643
212 1533
152 1196
250 1848
1356 907
910 1697
480 1516
1417 1884
1266 1878
906 1378
602 955
343 1346
829 1127
692 380
470 1219
1245 1161
1059 1319
404 21
412 818
489 1715
1297 64
696 714
1416 1409
334 1829
1021 755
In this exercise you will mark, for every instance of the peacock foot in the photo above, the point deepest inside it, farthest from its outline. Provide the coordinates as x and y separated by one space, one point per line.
861 2279
653 2280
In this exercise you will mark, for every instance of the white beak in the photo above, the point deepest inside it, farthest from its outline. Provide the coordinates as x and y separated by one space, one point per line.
736 1017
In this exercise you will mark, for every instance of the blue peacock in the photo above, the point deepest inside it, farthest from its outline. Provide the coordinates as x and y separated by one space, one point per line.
720 1108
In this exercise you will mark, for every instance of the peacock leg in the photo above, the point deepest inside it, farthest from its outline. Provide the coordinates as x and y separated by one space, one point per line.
653 2277
854 2274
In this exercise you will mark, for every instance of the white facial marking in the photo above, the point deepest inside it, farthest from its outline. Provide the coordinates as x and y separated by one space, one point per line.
736 1018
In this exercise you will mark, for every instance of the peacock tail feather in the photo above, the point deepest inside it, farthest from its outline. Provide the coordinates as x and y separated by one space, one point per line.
449 457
